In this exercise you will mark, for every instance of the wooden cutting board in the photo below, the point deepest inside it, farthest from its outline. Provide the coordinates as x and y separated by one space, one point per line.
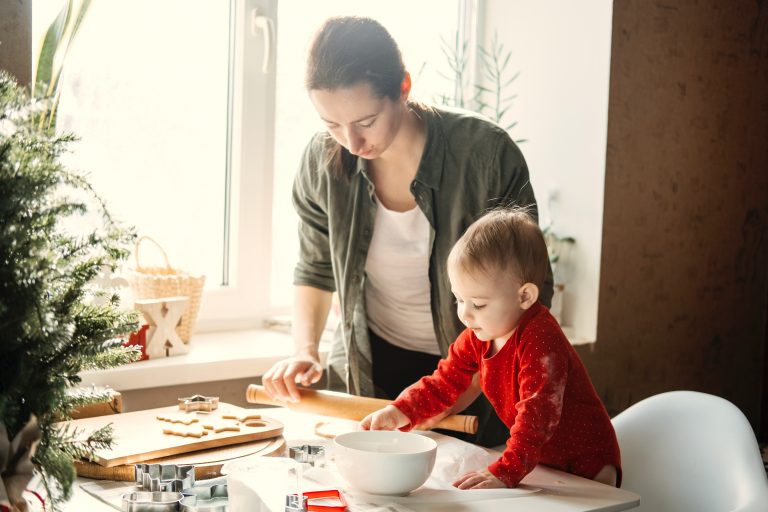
139 435
208 463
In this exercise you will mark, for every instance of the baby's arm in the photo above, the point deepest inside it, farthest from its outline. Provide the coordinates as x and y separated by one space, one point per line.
482 479
388 418
433 397
542 380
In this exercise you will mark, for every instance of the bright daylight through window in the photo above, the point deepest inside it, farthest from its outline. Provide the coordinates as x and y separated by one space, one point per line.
163 96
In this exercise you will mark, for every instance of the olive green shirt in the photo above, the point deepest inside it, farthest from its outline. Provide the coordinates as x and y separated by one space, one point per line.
469 165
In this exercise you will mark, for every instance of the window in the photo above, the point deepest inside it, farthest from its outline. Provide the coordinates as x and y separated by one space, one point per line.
192 118
150 88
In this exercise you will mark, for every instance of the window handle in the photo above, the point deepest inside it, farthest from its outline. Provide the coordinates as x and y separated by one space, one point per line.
265 25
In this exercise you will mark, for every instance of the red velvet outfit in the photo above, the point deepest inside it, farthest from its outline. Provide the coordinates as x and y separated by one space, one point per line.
540 390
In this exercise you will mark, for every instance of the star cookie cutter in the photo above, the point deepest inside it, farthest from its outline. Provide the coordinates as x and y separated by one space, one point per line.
313 455
164 477
199 403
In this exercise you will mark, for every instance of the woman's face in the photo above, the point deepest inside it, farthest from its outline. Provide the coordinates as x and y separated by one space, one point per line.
358 119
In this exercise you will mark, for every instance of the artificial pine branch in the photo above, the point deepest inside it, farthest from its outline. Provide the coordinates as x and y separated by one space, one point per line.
51 324
83 397
65 446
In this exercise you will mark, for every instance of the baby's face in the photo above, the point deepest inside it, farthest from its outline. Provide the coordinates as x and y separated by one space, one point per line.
487 303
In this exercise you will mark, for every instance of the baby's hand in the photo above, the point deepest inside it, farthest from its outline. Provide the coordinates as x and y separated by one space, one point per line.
479 480
388 418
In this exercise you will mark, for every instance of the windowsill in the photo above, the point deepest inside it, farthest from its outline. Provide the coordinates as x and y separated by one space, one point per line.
213 356
216 356
570 333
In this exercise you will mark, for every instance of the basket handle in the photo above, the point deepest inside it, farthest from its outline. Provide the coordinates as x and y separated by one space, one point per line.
138 244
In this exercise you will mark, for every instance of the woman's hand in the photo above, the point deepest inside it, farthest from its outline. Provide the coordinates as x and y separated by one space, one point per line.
388 418
479 480
280 380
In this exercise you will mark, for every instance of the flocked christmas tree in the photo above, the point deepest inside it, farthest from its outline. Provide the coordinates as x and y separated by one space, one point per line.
54 321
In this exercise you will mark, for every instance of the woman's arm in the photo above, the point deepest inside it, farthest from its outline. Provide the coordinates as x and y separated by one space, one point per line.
313 282
310 312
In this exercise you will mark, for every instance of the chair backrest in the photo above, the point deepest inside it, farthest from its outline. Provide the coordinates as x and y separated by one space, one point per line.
685 450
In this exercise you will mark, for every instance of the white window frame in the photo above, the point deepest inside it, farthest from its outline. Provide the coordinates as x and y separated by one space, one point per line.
243 301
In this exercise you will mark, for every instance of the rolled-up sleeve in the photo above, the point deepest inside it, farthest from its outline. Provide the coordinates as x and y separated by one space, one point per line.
310 200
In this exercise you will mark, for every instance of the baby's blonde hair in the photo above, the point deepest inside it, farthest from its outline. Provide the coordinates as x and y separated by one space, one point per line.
505 239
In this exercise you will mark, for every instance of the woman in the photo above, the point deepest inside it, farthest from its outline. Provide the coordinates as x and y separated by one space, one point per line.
382 196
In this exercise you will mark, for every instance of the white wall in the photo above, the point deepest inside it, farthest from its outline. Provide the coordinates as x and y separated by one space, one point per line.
562 50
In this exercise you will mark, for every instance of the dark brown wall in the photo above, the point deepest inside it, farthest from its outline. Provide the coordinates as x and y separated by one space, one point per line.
684 273
15 41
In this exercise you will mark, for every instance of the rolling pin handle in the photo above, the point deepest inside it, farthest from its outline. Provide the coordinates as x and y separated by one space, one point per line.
342 405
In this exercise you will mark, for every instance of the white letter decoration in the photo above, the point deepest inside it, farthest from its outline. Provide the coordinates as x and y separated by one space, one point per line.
163 316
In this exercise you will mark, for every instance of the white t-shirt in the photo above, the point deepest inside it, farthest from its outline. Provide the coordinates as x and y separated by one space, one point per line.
397 292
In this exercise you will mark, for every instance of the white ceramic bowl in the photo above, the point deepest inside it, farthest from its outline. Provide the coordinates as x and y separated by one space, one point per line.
384 462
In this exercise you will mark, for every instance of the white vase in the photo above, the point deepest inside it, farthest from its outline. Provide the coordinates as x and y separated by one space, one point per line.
557 302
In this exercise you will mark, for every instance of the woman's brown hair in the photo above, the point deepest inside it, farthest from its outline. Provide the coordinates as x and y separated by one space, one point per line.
346 51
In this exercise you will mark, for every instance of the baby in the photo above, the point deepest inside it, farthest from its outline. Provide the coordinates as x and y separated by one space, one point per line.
527 368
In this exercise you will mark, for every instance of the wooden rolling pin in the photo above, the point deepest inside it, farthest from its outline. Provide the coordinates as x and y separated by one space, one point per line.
351 407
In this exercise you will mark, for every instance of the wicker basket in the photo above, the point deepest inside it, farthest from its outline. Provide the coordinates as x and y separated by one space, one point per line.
159 282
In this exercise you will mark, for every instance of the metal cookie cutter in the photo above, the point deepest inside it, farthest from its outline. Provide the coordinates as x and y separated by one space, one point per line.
309 501
293 504
164 477
309 454
145 501
199 403
206 499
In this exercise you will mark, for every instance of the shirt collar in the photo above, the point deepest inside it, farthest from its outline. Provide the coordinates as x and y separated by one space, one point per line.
361 166
431 166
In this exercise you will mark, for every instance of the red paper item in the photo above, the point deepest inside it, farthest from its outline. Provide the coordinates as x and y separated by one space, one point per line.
139 338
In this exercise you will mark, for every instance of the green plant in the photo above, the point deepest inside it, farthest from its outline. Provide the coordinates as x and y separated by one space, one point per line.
493 100
53 53
557 245
490 98
456 57
52 324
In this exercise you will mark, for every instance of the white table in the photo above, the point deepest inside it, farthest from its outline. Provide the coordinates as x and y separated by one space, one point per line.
560 491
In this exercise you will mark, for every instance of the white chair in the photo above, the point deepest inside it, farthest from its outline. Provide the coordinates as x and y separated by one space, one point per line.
687 451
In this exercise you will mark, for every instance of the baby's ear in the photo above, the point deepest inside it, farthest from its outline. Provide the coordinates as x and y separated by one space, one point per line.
529 294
